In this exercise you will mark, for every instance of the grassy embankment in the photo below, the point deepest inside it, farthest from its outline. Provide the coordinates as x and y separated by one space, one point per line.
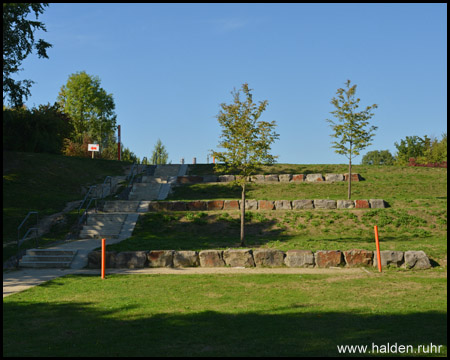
415 220
45 183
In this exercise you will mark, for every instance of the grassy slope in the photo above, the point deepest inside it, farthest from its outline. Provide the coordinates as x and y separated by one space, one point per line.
45 183
417 219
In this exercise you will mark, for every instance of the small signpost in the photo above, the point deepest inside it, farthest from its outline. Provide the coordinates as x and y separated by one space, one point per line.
93 148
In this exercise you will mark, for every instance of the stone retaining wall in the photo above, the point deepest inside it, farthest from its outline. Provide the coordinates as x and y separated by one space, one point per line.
259 258
271 178
204 205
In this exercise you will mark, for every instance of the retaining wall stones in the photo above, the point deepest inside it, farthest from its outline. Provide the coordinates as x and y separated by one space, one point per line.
270 178
259 258
202 205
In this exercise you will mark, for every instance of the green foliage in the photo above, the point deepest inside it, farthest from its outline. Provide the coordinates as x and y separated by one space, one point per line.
159 155
411 147
437 150
18 43
42 129
378 157
89 106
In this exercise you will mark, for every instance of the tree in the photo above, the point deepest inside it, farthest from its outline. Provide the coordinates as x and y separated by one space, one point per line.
18 43
411 147
159 155
90 107
351 129
246 141
376 157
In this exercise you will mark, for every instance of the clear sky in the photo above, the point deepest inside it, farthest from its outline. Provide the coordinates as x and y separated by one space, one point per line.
170 66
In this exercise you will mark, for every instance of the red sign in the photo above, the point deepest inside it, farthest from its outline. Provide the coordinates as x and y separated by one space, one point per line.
93 147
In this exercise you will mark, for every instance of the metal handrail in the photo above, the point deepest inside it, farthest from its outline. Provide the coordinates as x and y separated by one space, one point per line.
80 220
110 185
85 198
19 241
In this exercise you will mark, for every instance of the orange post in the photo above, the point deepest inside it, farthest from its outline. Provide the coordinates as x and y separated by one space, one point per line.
378 247
103 258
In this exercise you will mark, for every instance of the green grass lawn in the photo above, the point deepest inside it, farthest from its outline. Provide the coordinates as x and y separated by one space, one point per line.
226 315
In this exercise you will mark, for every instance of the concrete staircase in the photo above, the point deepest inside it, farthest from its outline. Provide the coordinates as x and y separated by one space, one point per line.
47 258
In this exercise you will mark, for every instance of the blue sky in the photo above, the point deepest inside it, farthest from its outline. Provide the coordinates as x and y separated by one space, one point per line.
170 66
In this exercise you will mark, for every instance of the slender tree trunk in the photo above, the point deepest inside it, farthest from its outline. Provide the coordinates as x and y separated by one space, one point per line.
242 214
350 177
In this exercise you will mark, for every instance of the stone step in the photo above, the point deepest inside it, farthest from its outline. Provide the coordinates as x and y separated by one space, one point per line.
101 232
44 258
51 252
109 227
47 258
107 217
47 264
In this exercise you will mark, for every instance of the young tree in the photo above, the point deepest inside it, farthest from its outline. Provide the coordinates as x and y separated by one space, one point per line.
89 106
351 129
18 43
378 157
159 155
246 141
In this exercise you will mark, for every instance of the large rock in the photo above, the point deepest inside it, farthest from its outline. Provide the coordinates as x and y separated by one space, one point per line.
334 177
189 179
329 258
355 177
238 258
211 258
95 259
210 178
196 205
416 260
271 178
215 205
231 205
283 205
160 258
302 204
314 177
345 204
325 204
299 258
389 258
131 259
185 259
177 206
266 205
377 203
268 257
226 178
298 177
285 177
250 204
358 257
257 178
361 204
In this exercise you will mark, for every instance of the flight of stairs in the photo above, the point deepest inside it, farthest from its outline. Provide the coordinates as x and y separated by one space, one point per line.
47 258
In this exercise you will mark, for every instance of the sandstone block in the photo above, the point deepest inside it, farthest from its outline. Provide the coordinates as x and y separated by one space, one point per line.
358 257
211 258
298 177
250 204
283 205
314 177
285 177
325 204
355 177
299 258
226 178
189 179
196 205
157 206
302 204
239 257
268 257
361 204
131 259
271 178
177 206
210 178
389 258
416 260
215 205
334 177
95 259
266 205
231 205
185 259
345 204
257 178
160 258
377 203
324 258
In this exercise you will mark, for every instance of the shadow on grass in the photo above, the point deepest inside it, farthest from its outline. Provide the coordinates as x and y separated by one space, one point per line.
84 329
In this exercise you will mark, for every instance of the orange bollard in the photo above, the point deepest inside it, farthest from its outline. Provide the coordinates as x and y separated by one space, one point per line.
103 258
378 247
